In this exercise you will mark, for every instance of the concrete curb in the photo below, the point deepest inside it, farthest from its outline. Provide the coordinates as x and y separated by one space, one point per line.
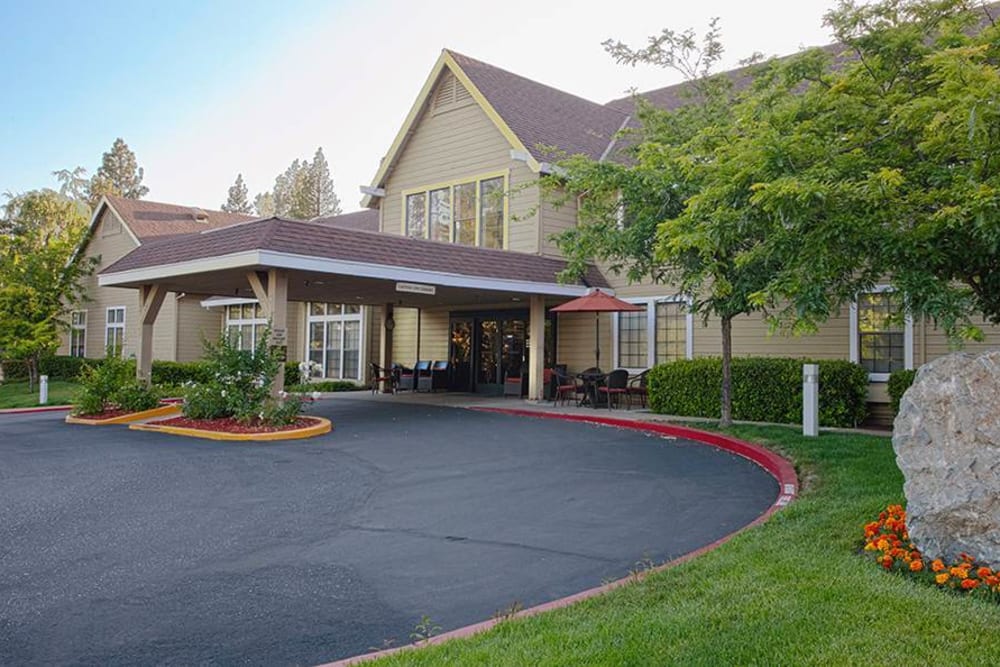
162 411
778 467
323 426
41 408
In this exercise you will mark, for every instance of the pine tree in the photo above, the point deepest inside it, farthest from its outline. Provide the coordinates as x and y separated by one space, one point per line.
263 205
238 200
284 186
118 174
320 198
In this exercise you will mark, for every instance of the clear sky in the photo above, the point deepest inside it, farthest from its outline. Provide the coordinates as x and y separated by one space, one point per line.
201 90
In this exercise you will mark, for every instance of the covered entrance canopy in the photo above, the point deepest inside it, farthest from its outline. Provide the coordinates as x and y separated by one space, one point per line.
276 260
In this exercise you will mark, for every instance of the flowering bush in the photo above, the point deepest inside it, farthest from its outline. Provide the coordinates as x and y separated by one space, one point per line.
889 541
240 386
110 384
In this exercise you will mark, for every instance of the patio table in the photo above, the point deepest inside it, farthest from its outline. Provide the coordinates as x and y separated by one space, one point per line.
591 383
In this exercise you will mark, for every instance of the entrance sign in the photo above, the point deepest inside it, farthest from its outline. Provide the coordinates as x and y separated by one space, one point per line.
416 288
279 337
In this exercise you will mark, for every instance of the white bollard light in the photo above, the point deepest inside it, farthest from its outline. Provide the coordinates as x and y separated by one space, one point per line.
43 390
810 400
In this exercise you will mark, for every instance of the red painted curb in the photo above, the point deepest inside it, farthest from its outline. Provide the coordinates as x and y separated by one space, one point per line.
778 467
44 408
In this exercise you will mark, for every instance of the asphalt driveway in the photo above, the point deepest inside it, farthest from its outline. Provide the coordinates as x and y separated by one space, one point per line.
125 548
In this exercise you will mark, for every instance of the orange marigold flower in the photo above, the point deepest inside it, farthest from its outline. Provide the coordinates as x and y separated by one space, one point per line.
969 584
941 578
984 572
937 565
916 565
959 572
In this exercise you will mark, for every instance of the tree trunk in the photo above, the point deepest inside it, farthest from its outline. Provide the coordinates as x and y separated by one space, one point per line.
727 372
32 373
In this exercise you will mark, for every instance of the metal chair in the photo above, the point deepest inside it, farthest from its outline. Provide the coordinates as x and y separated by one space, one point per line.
565 385
615 386
382 377
637 387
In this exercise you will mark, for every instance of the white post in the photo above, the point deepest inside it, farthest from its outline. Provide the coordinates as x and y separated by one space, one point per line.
810 400
43 390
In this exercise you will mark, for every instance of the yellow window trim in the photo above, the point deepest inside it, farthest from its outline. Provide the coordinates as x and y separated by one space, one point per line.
477 179
445 60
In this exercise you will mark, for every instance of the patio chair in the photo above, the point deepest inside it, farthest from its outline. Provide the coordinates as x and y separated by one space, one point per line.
615 387
439 375
565 386
424 378
405 379
382 377
637 388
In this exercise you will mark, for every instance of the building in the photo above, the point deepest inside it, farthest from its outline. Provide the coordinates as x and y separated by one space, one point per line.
459 264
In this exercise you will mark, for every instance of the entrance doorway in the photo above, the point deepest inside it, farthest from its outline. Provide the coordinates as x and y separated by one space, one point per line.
489 351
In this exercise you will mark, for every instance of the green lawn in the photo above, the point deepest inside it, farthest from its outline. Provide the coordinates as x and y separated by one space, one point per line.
791 592
16 394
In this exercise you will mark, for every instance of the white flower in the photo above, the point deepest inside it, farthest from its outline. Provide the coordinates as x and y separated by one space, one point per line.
283 394
316 395
223 393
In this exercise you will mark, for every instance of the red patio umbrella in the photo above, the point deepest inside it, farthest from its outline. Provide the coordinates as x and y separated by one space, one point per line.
597 302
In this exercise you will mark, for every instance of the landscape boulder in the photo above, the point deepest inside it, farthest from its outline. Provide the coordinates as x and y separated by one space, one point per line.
947 442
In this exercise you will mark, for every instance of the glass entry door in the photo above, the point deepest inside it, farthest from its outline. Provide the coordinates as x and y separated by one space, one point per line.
489 348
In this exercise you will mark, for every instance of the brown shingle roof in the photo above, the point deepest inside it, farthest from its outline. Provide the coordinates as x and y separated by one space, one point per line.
150 219
328 242
541 115
363 221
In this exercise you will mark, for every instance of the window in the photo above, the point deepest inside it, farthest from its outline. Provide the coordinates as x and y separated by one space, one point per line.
334 339
78 334
465 213
416 215
473 212
491 213
882 338
114 331
671 331
633 346
245 325
439 215
661 332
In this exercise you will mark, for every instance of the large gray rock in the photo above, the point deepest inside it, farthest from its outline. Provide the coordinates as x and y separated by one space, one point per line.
947 442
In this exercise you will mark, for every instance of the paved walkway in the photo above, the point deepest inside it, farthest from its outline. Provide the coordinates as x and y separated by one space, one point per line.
125 548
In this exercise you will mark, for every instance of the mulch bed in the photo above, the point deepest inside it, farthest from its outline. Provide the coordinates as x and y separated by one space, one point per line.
230 425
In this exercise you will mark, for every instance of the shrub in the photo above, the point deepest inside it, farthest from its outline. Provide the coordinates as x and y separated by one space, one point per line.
899 382
239 385
326 385
100 382
176 373
764 389
135 397
292 375
56 367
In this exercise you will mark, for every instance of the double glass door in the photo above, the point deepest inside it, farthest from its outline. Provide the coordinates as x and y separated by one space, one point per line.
490 350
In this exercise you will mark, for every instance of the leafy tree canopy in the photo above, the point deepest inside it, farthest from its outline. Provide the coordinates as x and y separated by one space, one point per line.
238 200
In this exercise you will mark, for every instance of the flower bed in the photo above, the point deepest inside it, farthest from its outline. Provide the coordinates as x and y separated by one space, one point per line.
231 425
115 415
889 540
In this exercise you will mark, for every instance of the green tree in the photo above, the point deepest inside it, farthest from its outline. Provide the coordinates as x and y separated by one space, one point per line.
40 275
238 200
320 199
119 174
901 179
263 205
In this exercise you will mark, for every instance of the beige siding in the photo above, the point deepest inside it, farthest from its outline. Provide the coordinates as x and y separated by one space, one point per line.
460 141
930 342
556 217
433 336
195 324
576 336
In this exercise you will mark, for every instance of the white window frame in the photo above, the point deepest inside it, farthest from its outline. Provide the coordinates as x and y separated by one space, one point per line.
855 350
74 328
358 317
650 303
112 326
252 322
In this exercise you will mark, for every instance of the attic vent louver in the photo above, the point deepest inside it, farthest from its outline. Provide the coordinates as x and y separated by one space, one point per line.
199 215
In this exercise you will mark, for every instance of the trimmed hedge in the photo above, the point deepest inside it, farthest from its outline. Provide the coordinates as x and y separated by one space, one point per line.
56 367
764 390
326 385
899 382
176 373
292 374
